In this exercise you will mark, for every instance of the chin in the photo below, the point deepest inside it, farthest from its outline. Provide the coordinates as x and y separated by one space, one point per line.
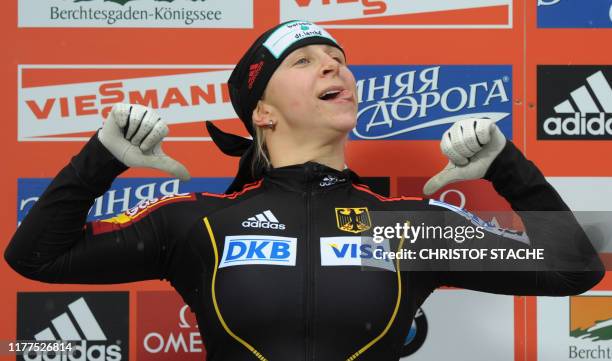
344 123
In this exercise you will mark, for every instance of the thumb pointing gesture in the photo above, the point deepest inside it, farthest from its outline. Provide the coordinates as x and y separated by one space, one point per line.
133 134
471 145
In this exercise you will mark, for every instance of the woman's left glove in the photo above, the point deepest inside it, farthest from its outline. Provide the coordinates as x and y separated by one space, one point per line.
471 145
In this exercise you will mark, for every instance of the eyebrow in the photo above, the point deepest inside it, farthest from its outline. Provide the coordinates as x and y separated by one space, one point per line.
303 51
330 49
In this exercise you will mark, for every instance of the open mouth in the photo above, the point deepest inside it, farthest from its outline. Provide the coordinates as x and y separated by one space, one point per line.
330 94
336 94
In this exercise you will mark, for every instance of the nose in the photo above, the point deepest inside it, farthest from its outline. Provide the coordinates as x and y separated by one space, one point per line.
329 66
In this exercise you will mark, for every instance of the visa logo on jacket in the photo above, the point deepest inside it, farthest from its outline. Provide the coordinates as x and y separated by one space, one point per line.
354 251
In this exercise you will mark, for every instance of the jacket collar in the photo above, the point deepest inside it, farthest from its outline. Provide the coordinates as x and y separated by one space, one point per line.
309 176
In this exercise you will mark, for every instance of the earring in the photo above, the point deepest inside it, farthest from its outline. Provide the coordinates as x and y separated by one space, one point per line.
271 124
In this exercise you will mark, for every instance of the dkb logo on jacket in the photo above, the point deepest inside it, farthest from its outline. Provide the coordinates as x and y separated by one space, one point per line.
249 250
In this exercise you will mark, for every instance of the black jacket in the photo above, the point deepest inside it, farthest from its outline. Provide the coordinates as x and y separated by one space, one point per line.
257 267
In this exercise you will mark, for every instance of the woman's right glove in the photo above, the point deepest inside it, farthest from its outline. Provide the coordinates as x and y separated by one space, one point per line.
471 145
133 134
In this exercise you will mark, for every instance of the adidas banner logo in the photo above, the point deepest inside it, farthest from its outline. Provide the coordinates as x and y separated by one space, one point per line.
265 220
77 324
574 102
66 329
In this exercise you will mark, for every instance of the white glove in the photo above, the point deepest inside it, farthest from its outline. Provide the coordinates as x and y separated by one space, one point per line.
133 134
471 145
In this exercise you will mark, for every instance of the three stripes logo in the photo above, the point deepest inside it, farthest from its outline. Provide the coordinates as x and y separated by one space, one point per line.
265 219
254 70
574 102
96 324
66 329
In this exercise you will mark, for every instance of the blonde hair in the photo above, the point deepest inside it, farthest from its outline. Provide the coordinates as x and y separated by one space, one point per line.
261 157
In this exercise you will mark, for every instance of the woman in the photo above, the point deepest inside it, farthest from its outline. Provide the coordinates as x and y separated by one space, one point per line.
266 268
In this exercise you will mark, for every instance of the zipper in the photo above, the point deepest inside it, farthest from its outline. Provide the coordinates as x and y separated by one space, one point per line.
309 271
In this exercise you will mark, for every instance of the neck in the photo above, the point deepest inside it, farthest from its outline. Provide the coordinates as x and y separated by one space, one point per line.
285 151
